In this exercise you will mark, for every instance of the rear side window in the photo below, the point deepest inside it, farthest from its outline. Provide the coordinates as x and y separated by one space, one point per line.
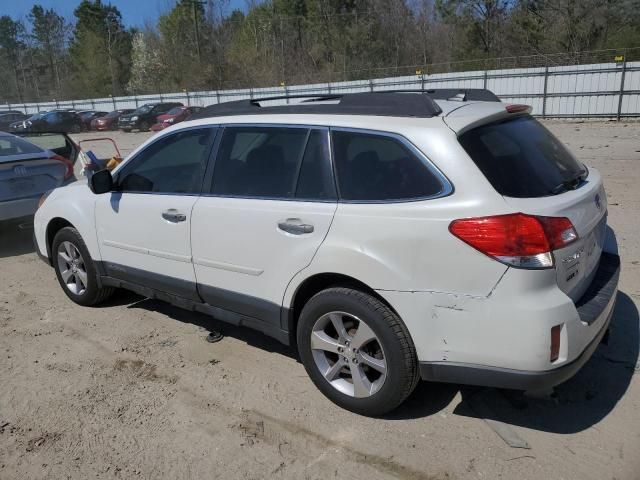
374 167
521 158
273 162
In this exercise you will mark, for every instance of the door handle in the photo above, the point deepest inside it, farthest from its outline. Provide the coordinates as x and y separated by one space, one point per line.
172 215
295 226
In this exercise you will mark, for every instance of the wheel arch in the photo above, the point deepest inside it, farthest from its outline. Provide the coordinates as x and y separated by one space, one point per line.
315 284
53 227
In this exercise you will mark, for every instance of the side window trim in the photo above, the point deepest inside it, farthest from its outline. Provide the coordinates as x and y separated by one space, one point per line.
131 163
447 186
208 182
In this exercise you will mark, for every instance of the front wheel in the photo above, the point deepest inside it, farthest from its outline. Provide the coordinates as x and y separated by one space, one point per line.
144 127
357 351
75 269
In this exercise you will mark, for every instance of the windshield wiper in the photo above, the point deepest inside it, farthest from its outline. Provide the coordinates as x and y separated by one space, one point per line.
571 183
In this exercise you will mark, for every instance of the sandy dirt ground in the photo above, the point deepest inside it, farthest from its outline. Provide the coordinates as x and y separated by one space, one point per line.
133 390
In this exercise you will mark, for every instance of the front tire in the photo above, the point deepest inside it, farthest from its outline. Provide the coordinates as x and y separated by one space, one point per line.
357 351
75 269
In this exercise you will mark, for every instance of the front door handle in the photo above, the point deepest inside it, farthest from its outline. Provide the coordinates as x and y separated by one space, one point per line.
172 215
295 226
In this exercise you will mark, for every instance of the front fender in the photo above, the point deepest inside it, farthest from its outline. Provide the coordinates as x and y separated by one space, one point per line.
75 204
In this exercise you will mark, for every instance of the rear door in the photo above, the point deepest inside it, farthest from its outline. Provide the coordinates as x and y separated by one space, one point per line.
270 205
537 175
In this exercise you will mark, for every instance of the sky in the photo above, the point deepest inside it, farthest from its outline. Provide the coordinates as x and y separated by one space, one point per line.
134 12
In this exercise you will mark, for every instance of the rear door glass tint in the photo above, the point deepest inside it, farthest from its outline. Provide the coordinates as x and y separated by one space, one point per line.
521 158
372 167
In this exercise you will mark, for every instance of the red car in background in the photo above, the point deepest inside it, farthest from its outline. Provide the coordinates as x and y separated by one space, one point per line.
110 120
173 116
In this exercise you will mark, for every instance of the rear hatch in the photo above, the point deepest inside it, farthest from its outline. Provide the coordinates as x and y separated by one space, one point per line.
29 176
537 175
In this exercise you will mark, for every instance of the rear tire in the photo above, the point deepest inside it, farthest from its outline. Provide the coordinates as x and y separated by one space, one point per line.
76 128
357 351
76 270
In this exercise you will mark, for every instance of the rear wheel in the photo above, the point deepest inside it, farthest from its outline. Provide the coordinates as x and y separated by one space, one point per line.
357 351
75 269
76 128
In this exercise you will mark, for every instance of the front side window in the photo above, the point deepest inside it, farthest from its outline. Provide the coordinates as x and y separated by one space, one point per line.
173 164
259 162
373 167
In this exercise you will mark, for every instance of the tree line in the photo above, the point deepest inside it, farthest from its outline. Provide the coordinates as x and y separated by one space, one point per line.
201 45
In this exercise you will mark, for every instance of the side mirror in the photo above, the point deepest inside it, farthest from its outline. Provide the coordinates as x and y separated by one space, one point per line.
101 182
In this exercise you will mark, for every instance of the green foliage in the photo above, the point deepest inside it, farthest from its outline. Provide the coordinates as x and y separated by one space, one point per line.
197 44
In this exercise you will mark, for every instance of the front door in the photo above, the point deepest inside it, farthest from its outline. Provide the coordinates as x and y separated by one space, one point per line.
144 225
269 208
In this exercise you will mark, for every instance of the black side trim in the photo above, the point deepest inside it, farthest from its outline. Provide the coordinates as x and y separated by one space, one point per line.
242 304
469 374
155 281
195 306
603 287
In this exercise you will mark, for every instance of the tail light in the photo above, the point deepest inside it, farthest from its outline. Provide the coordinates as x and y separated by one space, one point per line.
517 239
69 166
554 352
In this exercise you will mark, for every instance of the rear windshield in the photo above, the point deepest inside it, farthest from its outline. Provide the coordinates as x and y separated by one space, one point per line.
175 111
15 146
521 158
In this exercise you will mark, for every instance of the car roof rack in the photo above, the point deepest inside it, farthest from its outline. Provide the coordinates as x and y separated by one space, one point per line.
392 103
368 103
455 94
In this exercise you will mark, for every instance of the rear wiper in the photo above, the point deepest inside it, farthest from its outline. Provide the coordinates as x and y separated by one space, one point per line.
571 183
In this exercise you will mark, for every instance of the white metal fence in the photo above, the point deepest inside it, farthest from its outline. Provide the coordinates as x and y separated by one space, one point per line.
575 91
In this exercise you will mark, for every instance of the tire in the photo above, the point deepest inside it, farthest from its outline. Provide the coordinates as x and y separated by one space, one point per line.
392 347
65 241
76 128
125 130
144 127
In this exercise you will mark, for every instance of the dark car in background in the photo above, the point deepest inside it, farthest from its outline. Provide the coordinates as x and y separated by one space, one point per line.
9 117
173 116
88 116
110 120
54 121
145 116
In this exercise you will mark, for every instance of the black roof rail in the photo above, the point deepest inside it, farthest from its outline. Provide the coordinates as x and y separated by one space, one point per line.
455 94
368 103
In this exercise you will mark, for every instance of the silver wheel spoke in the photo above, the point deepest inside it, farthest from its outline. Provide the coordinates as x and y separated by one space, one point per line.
363 335
65 257
322 341
338 324
81 277
66 275
333 371
361 384
377 364
68 248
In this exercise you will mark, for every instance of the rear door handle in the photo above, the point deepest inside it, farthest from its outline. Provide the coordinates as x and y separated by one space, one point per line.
172 215
295 226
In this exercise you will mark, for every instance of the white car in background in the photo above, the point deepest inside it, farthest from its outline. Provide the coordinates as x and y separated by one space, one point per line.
388 236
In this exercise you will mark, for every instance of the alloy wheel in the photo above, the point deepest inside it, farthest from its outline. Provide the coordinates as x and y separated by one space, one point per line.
72 268
348 354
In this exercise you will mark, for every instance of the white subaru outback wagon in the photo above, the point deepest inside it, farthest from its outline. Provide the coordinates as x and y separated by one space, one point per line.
387 236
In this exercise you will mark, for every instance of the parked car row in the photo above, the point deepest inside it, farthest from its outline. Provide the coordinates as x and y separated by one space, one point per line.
156 116
151 116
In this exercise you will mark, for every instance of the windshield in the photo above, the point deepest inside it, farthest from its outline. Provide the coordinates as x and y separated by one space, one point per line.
175 111
144 109
112 114
10 146
85 115
36 116
522 159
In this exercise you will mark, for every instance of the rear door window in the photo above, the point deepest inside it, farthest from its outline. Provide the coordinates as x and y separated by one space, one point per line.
261 162
522 159
376 167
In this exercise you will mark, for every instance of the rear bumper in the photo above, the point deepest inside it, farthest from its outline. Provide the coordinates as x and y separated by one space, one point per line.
19 208
156 127
595 307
